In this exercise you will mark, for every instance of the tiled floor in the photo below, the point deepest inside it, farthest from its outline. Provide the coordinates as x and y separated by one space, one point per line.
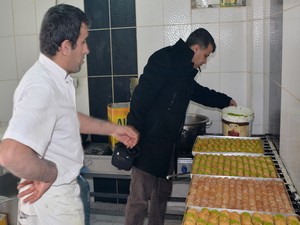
98 219
113 214
104 213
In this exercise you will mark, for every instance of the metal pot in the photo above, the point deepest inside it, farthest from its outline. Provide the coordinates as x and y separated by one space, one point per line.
10 208
194 125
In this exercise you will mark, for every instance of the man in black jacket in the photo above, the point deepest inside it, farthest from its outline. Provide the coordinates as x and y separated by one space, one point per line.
157 110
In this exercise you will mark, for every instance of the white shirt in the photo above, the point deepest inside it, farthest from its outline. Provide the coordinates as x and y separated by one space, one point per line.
45 118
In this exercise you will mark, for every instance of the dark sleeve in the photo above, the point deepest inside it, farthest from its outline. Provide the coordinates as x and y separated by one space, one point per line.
209 97
150 83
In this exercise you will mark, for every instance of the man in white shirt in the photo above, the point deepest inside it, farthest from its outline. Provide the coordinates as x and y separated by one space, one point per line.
42 144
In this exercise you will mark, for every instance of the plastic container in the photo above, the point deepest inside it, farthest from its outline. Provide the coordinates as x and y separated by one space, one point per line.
117 114
237 121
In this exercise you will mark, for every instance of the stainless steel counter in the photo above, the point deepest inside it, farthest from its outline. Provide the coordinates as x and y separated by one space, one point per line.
98 168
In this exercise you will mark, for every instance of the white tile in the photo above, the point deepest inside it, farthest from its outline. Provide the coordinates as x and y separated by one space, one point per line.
173 33
266 44
290 4
82 97
7 89
233 14
177 12
257 83
250 45
258 48
41 7
289 136
233 47
27 53
207 15
8 62
6 18
76 3
257 130
266 8
235 86
145 44
258 9
266 100
210 80
291 51
149 13
24 17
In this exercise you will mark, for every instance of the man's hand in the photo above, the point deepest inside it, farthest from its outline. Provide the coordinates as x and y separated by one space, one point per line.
127 135
34 190
232 103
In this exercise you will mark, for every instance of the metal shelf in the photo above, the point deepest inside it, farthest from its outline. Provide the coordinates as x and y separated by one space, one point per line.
200 4
292 192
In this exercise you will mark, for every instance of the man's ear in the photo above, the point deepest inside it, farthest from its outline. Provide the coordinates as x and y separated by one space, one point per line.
65 47
195 48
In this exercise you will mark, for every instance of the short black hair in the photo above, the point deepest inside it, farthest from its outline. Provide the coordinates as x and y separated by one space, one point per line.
61 22
201 37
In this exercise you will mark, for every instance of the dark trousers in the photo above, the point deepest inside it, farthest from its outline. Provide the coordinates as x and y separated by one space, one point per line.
146 189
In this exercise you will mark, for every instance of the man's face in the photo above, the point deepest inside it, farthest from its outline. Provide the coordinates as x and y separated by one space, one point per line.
77 55
201 55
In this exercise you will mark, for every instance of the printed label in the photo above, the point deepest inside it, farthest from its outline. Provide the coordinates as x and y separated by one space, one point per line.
117 114
235 129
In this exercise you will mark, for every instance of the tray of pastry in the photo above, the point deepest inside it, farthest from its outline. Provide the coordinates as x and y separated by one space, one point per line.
209 144
204 216
234 165
260 194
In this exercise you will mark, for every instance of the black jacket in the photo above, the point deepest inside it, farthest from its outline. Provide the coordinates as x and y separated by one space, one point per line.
159 102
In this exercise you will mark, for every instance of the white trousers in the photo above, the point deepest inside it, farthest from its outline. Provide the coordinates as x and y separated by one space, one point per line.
60 205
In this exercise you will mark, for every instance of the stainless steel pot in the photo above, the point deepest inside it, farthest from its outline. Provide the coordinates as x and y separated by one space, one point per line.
10 208
194 125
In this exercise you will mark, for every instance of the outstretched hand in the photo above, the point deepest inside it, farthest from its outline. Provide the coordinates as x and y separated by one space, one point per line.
232 103
127 135
32 190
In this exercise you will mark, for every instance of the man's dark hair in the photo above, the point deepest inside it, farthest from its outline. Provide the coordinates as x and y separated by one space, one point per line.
61 22
201 37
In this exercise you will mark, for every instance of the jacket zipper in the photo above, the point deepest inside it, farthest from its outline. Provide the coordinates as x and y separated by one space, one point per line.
172 101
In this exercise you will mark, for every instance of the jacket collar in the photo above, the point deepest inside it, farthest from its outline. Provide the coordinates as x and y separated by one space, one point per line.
186 55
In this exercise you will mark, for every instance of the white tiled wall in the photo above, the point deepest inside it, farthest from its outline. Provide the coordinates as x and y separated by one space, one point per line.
228 69
290 98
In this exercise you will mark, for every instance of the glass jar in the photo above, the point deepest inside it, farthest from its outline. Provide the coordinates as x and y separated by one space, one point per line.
225 3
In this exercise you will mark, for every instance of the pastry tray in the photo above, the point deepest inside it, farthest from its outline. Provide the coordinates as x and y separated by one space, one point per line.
212 193
224 152
198 209
255 161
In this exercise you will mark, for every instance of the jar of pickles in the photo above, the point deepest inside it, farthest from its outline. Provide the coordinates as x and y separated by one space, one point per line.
224 3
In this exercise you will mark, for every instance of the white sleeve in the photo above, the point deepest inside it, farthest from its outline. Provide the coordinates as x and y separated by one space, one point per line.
33 117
